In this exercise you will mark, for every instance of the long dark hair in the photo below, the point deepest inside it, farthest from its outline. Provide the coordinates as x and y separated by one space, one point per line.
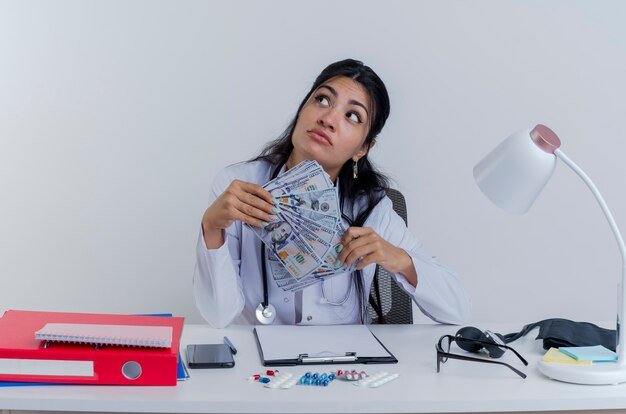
371 184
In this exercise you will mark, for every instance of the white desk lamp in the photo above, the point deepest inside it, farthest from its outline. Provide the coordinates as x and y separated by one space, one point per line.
512 176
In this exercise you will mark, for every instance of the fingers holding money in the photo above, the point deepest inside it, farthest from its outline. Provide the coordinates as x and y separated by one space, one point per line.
357 243
243 201
255 195
363 246
253 204
251 216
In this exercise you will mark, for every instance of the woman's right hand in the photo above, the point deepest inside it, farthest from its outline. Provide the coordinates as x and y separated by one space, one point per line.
243 201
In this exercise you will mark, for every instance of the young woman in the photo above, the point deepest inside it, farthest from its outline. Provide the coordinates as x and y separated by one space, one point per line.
336 125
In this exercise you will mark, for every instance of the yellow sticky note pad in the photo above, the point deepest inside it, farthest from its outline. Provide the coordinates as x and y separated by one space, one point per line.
554 355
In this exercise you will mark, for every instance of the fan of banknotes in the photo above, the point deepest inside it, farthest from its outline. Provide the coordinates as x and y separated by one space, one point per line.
303 243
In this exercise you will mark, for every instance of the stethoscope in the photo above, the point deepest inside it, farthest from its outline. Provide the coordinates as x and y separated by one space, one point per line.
266 312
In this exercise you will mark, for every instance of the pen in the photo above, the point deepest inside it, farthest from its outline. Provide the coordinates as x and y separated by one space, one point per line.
230 345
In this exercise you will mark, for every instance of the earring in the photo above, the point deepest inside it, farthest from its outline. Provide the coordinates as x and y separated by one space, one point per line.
355 170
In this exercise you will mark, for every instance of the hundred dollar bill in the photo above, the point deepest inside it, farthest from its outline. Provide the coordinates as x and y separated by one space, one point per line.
324 271
325 233
319 237
311 181
323 201
333 253
325 220
307 167
319 245
285 281
306 228
292 173
293 285
294 253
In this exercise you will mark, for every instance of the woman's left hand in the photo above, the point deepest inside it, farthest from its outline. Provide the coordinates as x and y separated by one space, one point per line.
366 243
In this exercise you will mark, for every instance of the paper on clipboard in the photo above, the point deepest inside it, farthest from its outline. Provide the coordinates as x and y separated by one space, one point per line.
286 344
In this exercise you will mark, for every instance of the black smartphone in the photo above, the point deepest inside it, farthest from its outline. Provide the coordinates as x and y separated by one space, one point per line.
209 356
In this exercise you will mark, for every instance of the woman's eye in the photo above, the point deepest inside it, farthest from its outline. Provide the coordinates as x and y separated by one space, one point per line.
322 99
354 117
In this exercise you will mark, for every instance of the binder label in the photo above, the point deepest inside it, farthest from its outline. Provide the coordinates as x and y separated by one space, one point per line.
11 366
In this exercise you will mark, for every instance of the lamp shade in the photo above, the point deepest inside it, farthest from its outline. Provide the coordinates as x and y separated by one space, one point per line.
514 173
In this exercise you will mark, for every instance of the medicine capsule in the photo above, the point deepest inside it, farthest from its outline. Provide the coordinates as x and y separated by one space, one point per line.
264 380
331 377
325 383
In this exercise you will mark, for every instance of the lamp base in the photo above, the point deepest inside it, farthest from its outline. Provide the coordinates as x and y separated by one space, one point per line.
602 373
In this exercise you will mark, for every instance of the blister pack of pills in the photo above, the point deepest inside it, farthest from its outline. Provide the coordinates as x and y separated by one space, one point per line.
282 381
376 380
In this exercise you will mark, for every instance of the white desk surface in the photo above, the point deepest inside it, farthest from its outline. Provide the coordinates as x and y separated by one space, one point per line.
460 386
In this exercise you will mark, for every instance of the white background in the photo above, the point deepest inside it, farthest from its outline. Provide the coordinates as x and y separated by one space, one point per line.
115 116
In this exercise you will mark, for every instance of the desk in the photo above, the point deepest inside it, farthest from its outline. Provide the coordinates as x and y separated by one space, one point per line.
460 387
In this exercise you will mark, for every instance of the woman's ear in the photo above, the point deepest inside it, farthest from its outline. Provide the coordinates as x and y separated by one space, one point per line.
364 150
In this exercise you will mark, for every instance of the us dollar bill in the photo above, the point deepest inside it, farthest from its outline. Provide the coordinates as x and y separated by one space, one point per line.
294 253
324 232
323 201
286 281
311 181
331 257
292 173
325 220
304 240
319 245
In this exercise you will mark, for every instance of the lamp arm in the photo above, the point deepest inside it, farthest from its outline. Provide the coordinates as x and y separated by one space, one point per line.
620 243
598 196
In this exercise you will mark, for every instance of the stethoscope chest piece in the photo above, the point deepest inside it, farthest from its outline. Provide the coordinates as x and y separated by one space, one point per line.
265 314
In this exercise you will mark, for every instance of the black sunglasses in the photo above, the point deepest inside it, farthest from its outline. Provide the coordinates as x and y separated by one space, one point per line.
443 353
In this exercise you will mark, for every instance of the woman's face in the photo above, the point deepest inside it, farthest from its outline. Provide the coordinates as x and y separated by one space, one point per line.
333 124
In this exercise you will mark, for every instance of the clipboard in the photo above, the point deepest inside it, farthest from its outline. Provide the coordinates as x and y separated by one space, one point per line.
288 345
